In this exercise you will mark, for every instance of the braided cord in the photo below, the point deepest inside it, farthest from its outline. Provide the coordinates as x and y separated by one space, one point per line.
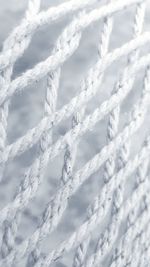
116 168
96 218
140 178
34 134
111 146
112 129
67 47
102 49
123 249
140 248
59 202
106 240
46 139
124 151
10 229
6 73
35 170
15 204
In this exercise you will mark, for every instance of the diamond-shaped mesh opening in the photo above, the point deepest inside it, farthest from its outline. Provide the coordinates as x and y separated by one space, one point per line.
74 134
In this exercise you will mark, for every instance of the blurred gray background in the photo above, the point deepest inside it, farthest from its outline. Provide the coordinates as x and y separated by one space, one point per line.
26 110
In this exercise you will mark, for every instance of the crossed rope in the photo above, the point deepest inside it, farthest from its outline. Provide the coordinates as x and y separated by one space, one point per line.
115 155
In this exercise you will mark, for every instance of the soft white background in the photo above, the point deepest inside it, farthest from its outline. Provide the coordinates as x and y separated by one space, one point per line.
26 110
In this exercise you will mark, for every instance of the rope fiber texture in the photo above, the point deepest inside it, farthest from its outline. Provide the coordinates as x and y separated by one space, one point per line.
111 207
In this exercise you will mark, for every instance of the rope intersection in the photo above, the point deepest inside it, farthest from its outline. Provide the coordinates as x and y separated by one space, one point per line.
118 164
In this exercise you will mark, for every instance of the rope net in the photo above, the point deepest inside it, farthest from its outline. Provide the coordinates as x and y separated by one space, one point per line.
112 179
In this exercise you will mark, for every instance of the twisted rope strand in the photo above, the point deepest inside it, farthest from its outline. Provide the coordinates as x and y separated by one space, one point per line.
43 160
114 115
33 8
107 239
57 12
71 150
102 49
131 166
123 251
143 255
125 243
109 236
24 196
111 232
145 258
33 135
46 139
94 205
29 189
26 184
59 202
10 229
96 218
142 169
140 246
69 159
112 191
81 252
125 148
30 24
42 163
124 151
67 47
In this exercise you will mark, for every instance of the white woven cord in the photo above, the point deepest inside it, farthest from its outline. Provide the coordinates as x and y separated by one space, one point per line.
131 247
73 184
81 251
34 134
107 238
11 228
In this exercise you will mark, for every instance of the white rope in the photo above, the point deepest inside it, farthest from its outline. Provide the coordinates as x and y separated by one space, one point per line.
132 128
31 23
57 12
54 150
97 217
59 202
49 108
32 172
81 251
67 42
35 183
7 73
135 226
10 229
33 135
124 246
140 249
116 169
144 256
106 240
46 139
